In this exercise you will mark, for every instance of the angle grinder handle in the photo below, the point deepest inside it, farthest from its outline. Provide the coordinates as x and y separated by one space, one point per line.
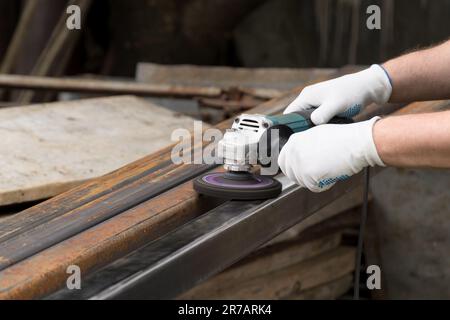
308 124
287 125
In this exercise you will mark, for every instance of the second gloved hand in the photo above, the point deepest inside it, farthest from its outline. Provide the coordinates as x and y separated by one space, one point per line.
344 96
321 156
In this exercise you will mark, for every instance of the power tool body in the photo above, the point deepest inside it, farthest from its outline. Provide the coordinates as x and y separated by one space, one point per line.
254 140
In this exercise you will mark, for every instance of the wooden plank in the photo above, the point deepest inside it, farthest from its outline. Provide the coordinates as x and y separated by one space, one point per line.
327 291
291 280
281 79
278 257
48 149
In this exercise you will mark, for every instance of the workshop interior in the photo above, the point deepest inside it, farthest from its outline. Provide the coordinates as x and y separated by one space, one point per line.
140 143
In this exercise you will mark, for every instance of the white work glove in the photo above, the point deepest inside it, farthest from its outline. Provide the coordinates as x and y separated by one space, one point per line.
344 96
321 156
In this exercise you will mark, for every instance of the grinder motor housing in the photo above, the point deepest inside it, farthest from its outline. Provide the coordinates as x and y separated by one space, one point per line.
253 139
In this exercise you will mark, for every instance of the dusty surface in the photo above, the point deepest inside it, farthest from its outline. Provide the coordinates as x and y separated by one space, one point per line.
49 148
273 78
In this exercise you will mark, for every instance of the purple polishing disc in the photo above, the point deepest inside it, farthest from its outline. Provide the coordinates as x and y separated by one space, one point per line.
237 186
219 180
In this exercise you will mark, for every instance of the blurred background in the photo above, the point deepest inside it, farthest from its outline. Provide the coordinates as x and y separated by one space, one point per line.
231 55
250 33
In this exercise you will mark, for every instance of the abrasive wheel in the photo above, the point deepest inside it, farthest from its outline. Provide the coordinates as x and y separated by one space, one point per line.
237 186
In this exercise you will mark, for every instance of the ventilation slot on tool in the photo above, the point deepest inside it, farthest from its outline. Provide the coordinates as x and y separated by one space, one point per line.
249 123
250 120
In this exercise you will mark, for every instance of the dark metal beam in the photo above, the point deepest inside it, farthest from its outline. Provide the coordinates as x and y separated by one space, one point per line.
192 253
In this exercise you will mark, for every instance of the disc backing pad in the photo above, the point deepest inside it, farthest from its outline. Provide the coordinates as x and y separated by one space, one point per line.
237 186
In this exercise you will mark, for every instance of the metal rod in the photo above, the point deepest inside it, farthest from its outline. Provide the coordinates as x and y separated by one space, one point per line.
45 235
362 226
104 86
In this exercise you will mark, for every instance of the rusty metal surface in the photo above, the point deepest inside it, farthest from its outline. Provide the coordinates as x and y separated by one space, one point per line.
17 247
45 272
85 193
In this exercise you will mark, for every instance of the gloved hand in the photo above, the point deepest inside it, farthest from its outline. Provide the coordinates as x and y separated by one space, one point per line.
344 96
321 156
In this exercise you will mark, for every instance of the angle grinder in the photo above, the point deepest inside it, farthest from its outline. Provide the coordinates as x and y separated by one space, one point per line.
253 140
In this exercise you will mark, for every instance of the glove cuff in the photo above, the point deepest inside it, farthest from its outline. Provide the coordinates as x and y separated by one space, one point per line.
372 156
381 86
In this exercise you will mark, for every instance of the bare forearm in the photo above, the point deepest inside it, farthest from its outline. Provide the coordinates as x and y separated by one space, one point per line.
420 140
421 75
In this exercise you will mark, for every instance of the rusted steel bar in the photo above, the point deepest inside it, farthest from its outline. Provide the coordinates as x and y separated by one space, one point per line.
85 193
104 86
43 236
45 272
